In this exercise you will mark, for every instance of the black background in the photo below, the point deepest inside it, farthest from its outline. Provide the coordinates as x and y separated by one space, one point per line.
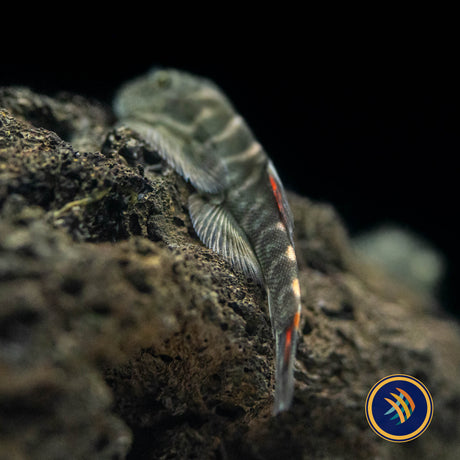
367 121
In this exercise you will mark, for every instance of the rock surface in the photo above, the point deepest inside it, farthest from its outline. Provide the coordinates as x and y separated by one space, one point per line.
122 336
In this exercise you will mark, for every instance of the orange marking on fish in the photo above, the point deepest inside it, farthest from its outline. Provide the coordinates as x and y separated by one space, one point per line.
287 345
288 337
296 320
290 253
277 194
273 183
296 287
280 226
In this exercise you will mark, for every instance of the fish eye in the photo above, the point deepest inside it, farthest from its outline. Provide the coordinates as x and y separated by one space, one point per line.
163 80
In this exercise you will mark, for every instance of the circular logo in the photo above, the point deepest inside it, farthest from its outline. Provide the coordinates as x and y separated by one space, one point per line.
399 408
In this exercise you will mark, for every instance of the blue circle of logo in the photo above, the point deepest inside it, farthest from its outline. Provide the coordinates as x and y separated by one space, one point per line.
399 408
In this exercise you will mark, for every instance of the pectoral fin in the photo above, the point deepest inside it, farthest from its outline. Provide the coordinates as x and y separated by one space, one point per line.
205 172
218 230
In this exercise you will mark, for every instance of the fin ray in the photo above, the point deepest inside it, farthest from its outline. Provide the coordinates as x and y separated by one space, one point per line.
205 172
218 230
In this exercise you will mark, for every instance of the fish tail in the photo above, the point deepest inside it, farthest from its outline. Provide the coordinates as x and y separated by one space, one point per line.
285 357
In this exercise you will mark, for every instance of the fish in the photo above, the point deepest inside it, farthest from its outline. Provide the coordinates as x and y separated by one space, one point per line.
239 207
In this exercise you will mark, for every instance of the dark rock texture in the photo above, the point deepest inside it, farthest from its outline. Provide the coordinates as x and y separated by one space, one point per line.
122 336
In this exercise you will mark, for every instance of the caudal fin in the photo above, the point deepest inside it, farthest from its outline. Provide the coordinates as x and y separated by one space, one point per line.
284 380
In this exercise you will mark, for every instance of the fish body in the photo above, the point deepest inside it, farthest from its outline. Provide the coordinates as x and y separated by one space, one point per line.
240 208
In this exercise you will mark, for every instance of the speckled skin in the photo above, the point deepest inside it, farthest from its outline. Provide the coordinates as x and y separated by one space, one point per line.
197 130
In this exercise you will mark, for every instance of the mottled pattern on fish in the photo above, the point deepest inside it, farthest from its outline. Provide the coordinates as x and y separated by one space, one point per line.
240 208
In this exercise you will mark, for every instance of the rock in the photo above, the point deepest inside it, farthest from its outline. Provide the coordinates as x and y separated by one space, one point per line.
122 336
404 255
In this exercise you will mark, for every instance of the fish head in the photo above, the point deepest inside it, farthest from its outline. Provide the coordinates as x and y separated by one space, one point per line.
163 91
